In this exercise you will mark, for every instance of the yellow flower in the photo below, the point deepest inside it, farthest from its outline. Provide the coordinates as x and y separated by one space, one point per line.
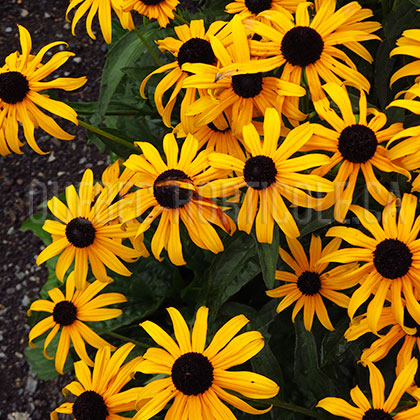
192 46
302 46
378 408
20 83
390 258
173 190
217 136
198 376
103 8
85 235
69 313
355 143
99 394
409 334
269 174
161 10
310 282
246 94
408 44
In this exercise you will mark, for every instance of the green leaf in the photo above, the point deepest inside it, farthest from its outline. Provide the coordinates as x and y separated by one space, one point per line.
266 363
120 149
44 368
315 220
311 380
145 291
138 73
231 270
52 280
123 53
35 223
268 255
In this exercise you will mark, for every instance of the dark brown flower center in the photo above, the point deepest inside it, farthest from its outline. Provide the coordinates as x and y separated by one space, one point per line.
257 6
376 414
260 172
64 313
80 232
302 46
309 283
13 87
192 373
217 130
90 406
247 85
151 2
168 192
357 143
392 258
196 50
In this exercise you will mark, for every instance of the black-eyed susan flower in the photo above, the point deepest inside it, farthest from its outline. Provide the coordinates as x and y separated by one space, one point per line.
252 8
217 136
192 46
68 313
116 172
104 9
409 334
405 150
270 174
173 190
378 408
310 281
4 149
98 393
390 258
84 235
127 179
408 44
246 94
305 46
355 142
20 98
198 377
161 10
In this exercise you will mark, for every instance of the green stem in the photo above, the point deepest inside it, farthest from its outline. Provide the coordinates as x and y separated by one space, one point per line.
180 19
296 409
149 48
119 336
290 407
116 112
108 135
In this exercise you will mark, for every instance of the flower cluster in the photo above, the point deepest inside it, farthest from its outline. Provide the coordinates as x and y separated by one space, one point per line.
269 117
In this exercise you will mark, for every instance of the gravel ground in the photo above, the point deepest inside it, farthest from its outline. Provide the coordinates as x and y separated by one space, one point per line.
25 182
